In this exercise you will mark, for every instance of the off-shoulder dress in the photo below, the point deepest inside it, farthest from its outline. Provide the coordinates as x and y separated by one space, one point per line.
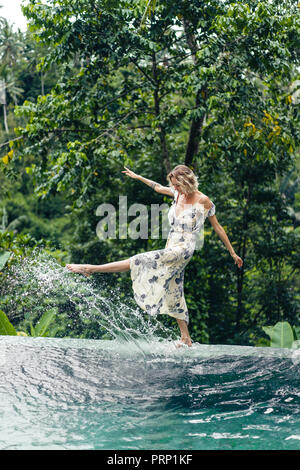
158 275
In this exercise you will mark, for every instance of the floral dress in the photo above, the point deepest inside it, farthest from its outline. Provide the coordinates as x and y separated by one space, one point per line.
158 276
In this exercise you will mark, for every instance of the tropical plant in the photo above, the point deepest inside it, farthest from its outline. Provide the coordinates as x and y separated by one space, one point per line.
42 327
153 84
196 82
283 335
4 257
11 46
6 328
10 51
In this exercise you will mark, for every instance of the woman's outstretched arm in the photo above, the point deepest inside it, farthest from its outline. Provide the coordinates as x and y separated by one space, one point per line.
223 236
156 186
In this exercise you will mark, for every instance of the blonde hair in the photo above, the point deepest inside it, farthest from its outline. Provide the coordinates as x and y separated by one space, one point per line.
187 180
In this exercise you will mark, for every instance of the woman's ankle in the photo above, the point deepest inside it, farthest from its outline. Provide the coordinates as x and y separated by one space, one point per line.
186 339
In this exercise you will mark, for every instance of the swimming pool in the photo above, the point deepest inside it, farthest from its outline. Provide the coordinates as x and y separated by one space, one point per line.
96 394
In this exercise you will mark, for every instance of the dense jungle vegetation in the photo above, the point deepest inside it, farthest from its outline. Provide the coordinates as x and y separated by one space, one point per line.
94 85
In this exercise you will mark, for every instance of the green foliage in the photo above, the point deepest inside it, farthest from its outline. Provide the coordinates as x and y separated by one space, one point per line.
6 328
4 257
42 328
43 324
150 85
147 93
282 335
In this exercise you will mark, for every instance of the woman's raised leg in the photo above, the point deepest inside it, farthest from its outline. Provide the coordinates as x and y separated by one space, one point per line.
88 269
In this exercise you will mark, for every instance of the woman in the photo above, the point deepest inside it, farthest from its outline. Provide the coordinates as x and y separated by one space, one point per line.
157 276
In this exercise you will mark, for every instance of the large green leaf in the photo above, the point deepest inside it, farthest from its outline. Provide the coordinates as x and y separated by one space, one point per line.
4 257
44 322
6 327
282 335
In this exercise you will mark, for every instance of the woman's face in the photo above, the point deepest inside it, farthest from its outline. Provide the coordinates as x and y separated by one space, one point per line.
176 184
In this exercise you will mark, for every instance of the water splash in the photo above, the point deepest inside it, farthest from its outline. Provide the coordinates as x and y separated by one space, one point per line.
135 391
39 283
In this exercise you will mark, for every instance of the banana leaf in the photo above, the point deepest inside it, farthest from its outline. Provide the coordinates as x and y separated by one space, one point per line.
42 325
6 328
282 335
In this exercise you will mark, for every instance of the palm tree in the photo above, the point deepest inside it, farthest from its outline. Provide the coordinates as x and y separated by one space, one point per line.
149 10
10 51
33 52
11 47
11 87
3 102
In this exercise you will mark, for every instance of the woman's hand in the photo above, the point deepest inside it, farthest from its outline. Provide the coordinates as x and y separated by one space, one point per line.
130 173
237 260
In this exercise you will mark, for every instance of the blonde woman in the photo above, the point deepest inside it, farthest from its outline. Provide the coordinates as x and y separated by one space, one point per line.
157 276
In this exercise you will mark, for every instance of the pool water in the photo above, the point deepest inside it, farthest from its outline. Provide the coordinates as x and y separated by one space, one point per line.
96 394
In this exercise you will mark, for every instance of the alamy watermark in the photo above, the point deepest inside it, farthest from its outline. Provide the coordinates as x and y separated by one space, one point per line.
137 222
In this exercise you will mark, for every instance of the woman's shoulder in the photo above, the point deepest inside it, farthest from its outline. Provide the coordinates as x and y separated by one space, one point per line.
207 203
203 199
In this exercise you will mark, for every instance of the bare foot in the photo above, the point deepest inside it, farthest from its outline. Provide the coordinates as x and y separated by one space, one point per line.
84 269
184 342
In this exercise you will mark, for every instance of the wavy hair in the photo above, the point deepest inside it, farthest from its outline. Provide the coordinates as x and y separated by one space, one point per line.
187 180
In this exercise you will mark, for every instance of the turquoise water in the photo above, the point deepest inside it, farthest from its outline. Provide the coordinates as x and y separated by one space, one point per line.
137 390
96 394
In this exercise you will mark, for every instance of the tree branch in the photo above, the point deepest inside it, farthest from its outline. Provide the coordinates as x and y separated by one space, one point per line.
11 140
144 73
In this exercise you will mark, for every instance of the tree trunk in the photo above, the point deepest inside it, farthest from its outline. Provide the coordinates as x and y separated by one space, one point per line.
43 83
5 118
197 123
162 134
242 249
239 285
3 101
194 134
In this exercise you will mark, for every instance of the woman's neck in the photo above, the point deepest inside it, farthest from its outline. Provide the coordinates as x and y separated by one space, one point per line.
188 197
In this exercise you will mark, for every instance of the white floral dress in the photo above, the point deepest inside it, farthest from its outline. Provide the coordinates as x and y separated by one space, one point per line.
158 276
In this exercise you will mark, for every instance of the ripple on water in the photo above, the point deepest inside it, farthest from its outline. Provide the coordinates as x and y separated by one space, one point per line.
104 394
137 391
